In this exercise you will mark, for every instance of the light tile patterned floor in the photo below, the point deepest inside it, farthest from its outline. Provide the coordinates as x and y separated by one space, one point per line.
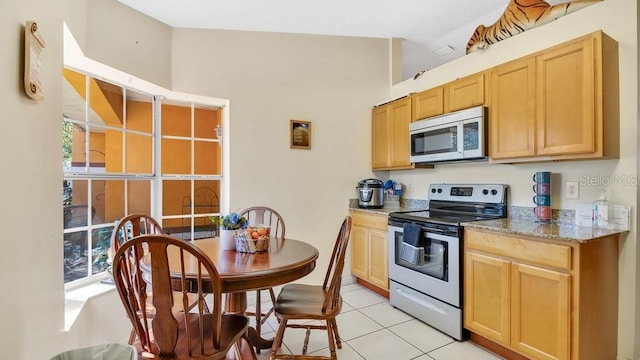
371 329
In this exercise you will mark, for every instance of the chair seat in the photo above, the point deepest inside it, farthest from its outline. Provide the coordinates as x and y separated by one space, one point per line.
231 326
304 302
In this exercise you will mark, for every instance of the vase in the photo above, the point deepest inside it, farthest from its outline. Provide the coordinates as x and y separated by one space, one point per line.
228 239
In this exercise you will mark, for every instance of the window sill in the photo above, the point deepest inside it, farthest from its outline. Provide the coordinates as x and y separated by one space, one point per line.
74 299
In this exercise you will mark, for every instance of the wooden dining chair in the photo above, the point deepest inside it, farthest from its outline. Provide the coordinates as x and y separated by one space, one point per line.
314 302
187 334
128 228
265 216
131 226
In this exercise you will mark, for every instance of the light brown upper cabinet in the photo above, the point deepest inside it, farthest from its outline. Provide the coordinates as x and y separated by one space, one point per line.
427 103
390 135
512 124
380 139
553 105
464 93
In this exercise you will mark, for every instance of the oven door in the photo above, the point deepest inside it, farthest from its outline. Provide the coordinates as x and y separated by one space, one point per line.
433 268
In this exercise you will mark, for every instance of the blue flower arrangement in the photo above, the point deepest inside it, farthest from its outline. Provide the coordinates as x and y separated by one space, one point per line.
231 221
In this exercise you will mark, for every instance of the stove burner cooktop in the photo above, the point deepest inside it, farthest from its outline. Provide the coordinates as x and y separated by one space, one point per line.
437 217
452 204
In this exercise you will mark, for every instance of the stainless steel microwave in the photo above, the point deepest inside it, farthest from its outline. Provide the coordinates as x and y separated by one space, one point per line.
455 136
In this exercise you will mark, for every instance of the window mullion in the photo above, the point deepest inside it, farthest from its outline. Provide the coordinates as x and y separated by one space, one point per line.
156 185
124 144
87 106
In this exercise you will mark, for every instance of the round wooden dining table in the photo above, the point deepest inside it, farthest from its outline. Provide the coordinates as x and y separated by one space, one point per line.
285 261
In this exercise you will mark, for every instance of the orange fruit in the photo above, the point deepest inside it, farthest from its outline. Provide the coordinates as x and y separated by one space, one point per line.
255 235
262 231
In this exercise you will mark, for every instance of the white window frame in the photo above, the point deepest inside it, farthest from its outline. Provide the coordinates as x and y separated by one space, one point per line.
75 60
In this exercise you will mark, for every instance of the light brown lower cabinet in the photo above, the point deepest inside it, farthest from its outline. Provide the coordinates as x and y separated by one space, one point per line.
369 251
542 299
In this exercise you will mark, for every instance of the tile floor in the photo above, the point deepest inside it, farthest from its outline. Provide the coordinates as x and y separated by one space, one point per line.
371 329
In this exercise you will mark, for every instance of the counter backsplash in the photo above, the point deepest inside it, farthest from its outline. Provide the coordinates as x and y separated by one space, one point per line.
405 204
561 216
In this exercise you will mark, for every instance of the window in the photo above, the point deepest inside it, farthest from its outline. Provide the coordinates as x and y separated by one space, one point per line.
191 168
116 163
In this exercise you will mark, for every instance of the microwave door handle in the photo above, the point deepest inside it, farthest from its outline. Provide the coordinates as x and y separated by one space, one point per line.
460 139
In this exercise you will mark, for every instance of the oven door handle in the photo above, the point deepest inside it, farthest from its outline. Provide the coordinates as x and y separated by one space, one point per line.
438 233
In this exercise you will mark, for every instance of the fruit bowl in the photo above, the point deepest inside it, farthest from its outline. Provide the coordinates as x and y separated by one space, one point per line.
259 232
253 239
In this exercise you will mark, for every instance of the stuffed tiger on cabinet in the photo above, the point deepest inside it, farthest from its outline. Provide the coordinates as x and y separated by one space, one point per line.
519 16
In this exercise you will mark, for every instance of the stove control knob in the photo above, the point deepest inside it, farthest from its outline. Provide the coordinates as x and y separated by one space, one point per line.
439 191
433 190
485 192
494 192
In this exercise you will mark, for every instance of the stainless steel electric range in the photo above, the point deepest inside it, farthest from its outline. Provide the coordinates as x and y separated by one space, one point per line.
425 271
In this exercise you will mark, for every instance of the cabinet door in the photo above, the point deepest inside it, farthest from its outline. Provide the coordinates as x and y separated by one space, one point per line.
359 252
400 120
540 310
464 93
380 140
512 122
486 296
427 103
566 100
378 266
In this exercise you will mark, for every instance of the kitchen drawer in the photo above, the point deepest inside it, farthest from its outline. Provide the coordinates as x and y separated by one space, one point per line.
529 251
369 220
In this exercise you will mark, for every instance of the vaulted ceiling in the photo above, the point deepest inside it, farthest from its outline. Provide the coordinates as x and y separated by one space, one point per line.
424 25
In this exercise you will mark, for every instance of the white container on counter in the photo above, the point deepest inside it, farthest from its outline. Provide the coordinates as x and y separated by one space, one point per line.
601 212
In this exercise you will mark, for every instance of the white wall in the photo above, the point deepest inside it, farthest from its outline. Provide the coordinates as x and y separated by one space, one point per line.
271 78
30 210
114 34
618 19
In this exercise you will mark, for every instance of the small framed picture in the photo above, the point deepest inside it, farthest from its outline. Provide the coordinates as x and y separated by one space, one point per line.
300 134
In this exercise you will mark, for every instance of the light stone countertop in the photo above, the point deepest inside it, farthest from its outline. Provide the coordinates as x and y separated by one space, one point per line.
523 226
405 205
553 231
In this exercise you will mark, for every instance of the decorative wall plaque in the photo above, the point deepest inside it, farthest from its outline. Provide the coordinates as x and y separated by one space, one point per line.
33 45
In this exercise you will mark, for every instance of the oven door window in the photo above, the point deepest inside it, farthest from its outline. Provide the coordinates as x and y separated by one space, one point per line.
430 259
437 141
